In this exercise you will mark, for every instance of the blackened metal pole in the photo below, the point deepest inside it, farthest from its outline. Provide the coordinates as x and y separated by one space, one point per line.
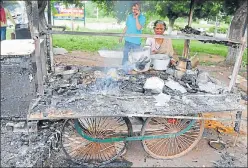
237 126
36 39
49 12
187 42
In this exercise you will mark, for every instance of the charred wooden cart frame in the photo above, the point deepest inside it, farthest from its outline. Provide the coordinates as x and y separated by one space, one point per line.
93 136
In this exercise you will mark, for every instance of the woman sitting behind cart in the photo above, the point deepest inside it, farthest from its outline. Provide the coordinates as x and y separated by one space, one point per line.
161 45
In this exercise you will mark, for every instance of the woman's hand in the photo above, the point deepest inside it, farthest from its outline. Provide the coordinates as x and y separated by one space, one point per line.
154 52
173 62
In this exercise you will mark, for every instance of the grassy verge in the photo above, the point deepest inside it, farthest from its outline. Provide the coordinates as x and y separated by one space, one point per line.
86 43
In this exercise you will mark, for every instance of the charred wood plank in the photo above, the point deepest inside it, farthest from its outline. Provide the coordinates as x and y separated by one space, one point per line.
90 105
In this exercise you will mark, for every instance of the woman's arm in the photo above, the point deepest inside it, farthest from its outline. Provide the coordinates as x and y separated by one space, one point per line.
151 42
166 47
171 52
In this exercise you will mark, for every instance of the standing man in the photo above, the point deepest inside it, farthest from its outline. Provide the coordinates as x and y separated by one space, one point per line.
4 15
134 23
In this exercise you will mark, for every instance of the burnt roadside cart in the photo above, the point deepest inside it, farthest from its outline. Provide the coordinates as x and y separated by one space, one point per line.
97 106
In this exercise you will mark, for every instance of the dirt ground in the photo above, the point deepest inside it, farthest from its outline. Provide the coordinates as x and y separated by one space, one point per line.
202 155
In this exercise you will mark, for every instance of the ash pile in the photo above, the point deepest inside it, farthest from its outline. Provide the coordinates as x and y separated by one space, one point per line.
21 148
180 80
73 89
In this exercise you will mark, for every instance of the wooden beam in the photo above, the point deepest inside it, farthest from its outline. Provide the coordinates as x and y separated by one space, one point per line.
238 63
187 42
37 47
131 105
43 60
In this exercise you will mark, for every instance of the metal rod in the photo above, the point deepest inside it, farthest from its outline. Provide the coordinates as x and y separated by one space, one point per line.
203 118
49 12
183 36
177 117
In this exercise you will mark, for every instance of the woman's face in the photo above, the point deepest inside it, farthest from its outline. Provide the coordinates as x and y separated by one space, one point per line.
159 29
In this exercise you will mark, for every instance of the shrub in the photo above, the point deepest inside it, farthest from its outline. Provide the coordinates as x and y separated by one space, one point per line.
222 30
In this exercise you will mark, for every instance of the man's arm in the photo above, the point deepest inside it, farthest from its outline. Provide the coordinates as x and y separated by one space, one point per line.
124 31
138 25
8 15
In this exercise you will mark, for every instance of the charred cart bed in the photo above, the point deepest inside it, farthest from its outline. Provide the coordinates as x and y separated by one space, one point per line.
131 106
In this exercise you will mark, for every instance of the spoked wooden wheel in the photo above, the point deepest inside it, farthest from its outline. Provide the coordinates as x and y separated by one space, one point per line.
85 152
168 148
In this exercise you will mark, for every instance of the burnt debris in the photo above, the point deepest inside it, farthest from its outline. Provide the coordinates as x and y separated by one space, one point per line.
189 30
73 82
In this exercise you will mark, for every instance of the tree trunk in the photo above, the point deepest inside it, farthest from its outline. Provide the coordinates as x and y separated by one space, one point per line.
237 31
43 26
171 24
42 20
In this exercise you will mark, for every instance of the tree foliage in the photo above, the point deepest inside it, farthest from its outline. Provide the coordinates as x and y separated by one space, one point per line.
173 9
117 9
229 7
207 10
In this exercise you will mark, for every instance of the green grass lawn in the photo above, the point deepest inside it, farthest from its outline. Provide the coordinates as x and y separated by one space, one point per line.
93 43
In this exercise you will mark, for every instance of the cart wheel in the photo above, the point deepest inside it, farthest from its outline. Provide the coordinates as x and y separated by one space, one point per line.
168 148
82 151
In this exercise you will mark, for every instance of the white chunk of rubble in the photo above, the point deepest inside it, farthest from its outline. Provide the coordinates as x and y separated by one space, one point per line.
162 99
175 86
202 78
210 87
154 83
188 101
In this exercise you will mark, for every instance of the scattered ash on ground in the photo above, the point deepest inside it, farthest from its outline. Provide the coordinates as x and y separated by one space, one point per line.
227 160
41 149
25 149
